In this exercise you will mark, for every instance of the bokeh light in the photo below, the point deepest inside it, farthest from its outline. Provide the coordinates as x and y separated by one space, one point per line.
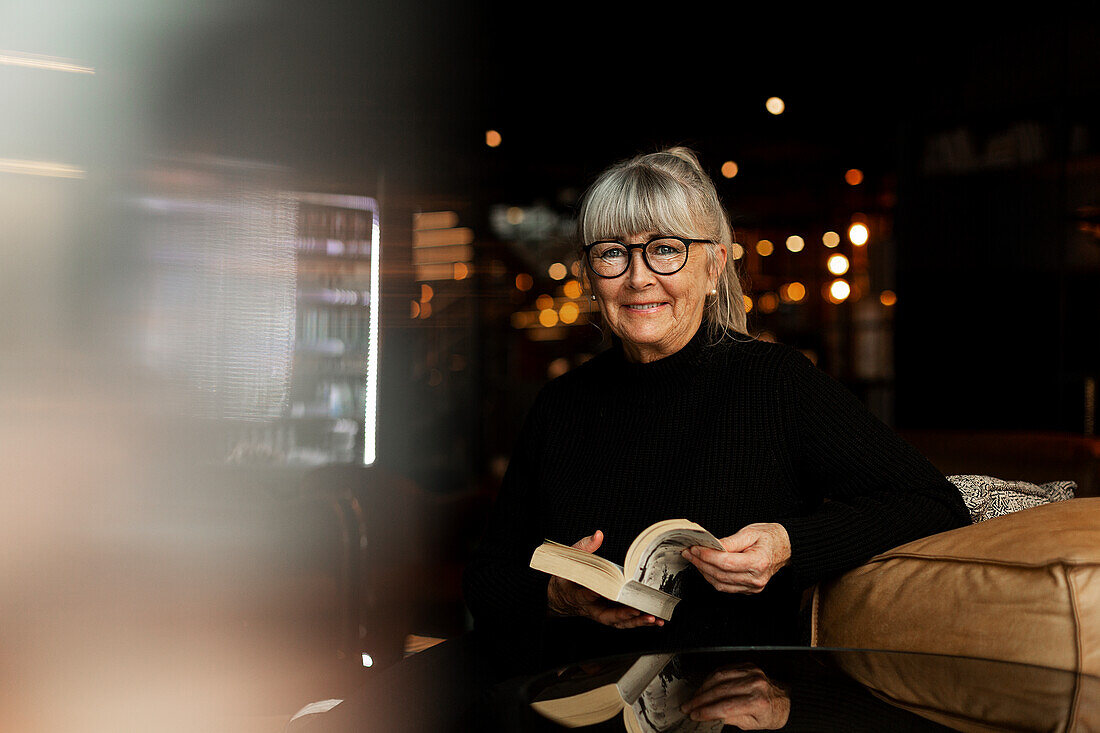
839 290
569 312
557 271
857 234
524 282
794 292
888 298
768 302
837 264
775 105
795 243
544 301
493 138
830 239
764 248
737 251
572 289
853 177
548 317
729 169
748 303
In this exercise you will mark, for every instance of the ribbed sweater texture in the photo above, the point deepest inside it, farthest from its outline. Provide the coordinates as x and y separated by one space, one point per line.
722 434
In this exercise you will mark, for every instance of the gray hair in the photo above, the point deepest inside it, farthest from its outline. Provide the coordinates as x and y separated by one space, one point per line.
668 192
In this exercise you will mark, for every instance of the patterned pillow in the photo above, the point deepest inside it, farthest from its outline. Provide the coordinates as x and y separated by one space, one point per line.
987 497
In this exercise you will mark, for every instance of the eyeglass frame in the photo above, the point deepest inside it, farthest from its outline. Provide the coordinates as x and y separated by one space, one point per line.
642 245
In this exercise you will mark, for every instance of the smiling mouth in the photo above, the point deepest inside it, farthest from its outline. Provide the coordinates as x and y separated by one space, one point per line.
643 307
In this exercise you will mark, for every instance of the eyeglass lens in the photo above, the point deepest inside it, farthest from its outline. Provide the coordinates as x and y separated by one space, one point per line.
663 256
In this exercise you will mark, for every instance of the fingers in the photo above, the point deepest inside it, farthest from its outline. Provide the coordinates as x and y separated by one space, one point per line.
731 572
627 618
591 543
742 540
738 672
746 687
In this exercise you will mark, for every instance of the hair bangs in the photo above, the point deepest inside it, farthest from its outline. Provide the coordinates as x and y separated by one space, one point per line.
638 199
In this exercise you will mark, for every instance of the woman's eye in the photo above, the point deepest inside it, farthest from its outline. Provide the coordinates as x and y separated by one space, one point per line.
663 250
610 254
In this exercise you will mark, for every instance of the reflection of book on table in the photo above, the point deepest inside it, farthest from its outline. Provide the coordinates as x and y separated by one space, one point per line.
649 693
650 578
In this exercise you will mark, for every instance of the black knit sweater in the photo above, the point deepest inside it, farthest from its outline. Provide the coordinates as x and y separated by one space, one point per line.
726 435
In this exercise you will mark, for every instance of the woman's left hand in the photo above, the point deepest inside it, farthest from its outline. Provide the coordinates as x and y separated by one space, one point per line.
752 556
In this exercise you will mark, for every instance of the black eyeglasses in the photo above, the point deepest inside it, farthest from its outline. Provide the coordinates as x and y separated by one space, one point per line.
663 254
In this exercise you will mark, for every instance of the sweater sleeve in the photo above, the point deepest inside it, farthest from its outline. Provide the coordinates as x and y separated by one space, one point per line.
500 589
867 489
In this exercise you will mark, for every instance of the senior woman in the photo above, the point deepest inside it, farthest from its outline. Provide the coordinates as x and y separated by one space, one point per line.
687 416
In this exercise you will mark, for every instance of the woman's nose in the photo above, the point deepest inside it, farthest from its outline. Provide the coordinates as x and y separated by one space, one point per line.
638 274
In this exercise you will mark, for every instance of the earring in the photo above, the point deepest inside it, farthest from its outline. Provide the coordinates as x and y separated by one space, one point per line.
714 291
593 296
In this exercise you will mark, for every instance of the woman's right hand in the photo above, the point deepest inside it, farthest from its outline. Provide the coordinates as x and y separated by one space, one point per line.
566 598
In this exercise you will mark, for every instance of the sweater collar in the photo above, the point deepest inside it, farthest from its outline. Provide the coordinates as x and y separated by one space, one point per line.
690 355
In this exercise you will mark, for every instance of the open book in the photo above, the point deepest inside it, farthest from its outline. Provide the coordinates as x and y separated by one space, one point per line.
650 578
648 693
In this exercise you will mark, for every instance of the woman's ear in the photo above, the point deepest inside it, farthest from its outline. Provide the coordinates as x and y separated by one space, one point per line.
720 255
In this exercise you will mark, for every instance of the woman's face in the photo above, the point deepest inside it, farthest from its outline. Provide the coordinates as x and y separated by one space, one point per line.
656 315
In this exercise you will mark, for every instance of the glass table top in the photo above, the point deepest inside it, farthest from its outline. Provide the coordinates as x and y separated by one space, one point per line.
454 686
806 689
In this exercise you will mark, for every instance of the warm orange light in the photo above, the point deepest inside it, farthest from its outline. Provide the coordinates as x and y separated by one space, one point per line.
426 292
837 264
524 282
857 234
492 138
830 239
795 292
575 268
425 310
737 251
854 177
557 368
461 271
520 319
729 169
888 298
569 312
514 215
764 248
415 311
795 243
544 301
839 290
748 303
435 220
775 105
769 302
557 271
548 317
572 289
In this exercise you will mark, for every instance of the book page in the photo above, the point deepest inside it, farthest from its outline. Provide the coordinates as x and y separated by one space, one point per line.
657 709
654 558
